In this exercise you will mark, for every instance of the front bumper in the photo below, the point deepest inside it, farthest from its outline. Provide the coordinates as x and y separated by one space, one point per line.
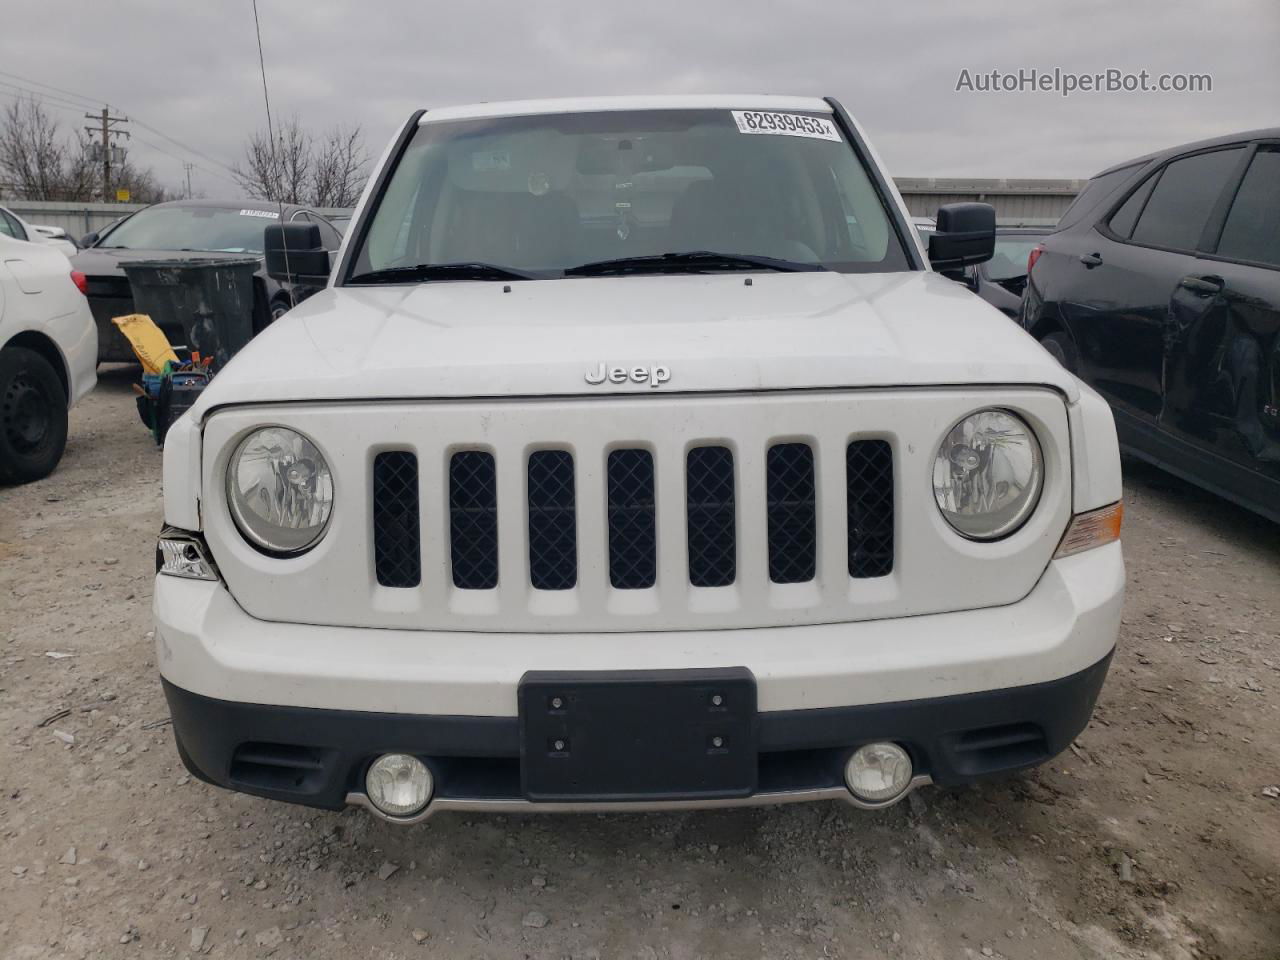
296 712
319 757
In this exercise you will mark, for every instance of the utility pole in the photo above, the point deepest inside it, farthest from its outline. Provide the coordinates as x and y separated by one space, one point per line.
106 130
187 167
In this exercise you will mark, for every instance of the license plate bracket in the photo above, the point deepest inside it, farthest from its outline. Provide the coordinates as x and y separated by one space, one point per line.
638 735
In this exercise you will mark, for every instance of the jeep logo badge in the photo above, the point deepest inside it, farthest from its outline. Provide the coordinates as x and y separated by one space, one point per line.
655 376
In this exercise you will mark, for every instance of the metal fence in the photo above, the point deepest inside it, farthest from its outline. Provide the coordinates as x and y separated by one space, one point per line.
1031 202
81 218
1027 202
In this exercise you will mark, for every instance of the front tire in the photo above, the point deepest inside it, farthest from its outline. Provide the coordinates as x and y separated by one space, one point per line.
1062 349
33 416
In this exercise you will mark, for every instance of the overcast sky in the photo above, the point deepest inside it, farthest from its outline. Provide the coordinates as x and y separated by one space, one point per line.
190 70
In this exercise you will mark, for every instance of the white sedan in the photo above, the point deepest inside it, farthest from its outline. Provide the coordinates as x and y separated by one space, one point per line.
48 356
12 225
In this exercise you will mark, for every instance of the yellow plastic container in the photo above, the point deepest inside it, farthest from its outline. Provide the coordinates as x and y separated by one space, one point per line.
148 341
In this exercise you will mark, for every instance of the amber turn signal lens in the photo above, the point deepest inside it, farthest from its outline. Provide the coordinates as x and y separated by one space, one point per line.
1093 529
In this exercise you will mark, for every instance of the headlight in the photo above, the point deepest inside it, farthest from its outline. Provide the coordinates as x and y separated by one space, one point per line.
988 474
280 491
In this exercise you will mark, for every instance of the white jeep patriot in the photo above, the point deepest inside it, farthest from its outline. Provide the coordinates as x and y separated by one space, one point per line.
634 457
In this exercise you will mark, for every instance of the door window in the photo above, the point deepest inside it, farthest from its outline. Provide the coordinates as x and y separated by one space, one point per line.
10 227
1183 198
1252 230
1122 220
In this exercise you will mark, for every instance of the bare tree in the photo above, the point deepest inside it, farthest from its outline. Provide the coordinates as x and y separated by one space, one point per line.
338 169
279 171
36 163
32 156
324 172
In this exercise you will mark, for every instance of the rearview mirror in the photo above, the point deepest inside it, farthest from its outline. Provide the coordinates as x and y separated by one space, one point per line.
295 254
966 235
89 239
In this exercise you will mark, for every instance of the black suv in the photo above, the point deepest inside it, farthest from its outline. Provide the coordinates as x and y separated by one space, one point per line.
1160 287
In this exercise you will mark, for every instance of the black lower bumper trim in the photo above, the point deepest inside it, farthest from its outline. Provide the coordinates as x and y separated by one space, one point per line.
315 757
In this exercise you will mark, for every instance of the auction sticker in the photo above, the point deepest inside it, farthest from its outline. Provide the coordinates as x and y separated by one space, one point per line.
785 124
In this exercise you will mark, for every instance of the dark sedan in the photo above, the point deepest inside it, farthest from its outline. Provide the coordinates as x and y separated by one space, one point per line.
1001 280
186 229
1161 288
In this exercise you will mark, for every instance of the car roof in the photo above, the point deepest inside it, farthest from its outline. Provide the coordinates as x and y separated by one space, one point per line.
233 205
719 101
1023 231
1263 134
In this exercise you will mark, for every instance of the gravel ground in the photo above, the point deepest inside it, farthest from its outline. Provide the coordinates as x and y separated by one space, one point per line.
1157 835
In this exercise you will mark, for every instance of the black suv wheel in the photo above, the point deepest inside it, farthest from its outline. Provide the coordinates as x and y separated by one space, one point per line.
33 416
1060 347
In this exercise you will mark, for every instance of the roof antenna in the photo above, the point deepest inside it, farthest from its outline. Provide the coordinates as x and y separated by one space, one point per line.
275 157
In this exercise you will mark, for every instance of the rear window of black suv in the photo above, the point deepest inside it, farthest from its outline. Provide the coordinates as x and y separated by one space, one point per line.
1096 192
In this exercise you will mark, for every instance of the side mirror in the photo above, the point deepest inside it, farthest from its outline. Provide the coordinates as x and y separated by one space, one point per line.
295 254
89 239
966 235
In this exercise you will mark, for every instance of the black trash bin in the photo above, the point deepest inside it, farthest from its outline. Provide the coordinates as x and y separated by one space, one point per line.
211 299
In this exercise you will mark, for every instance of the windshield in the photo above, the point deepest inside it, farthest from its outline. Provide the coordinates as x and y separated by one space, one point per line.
1010 258
220 229
547 194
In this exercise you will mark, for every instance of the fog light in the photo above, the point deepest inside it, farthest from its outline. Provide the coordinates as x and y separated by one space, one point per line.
399 785
878 772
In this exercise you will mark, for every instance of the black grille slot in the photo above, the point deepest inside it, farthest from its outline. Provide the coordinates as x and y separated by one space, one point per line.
633 542
280 766
712 520
977 752
473 520
397 534
553 525
792 513
869 475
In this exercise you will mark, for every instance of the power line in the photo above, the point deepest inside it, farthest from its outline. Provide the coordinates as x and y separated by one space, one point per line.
184 161
182 146
98 103
18 93
48 98
93 101
19 97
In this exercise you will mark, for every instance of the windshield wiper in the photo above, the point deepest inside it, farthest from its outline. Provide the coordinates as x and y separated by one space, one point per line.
443 271
692 261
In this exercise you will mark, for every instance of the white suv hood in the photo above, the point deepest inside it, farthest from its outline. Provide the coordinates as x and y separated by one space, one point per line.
721 332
